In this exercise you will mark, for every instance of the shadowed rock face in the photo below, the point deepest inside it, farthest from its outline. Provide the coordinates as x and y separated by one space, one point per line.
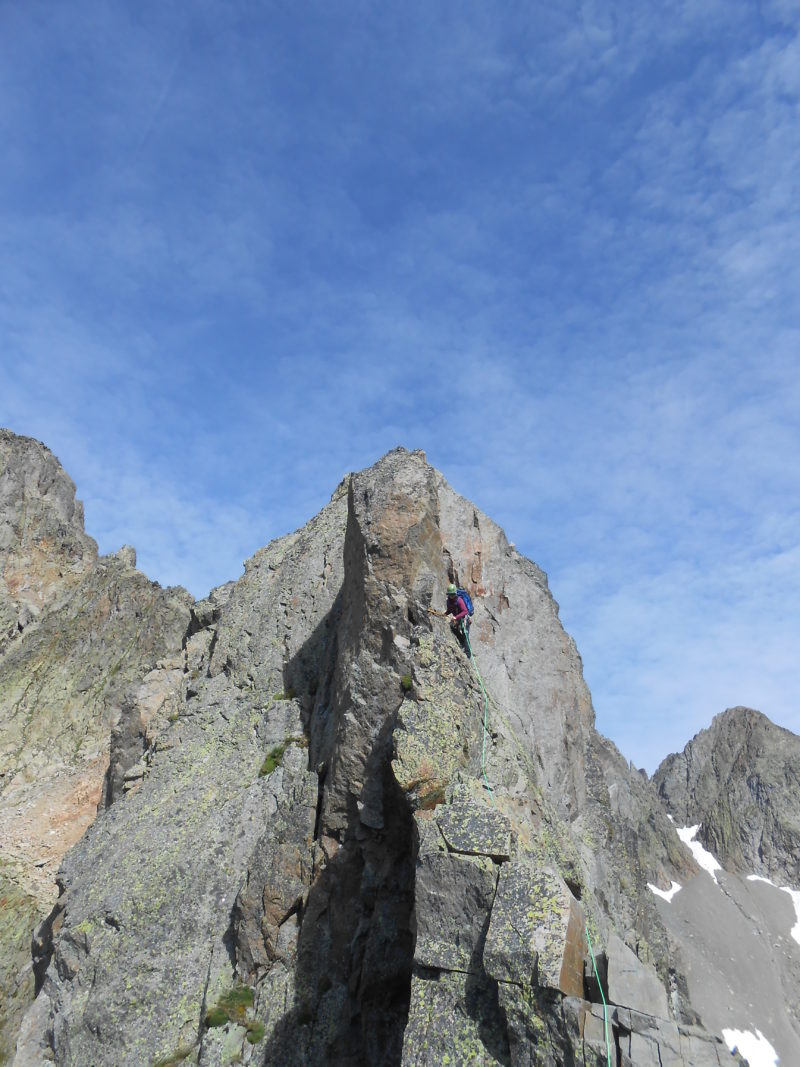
740 780
321 844
75 633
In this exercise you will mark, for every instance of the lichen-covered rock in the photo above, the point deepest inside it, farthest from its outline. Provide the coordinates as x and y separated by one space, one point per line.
454 896
282 866
44 550
76 634
454 1019
471 825
536 934
324 841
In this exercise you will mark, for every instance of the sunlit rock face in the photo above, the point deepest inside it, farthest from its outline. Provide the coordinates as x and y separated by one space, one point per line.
329 836
76 632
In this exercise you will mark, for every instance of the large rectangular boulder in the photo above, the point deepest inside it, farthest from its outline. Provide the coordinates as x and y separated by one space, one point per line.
453 897
453 1019
632 983
469 824
536 933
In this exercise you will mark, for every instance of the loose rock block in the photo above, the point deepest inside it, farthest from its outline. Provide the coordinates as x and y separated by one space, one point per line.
454 895
536 933
451 1022
475 828
634 984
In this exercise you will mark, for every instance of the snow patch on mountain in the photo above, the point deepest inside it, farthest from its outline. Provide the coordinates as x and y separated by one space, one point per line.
754 1047
793 893
703 858
665 894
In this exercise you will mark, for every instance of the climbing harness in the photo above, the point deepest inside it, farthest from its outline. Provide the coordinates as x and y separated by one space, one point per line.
602 995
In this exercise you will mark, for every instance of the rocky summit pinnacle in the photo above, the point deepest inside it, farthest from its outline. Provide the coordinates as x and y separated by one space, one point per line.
740 779
329 836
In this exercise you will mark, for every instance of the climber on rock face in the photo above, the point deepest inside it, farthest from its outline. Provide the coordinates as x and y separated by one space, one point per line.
458 609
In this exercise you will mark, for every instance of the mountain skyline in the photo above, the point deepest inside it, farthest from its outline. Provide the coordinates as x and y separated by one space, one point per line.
315 729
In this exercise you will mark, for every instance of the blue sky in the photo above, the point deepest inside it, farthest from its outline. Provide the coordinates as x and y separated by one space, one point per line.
245 248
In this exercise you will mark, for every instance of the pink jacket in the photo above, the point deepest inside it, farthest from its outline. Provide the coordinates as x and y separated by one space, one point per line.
456 607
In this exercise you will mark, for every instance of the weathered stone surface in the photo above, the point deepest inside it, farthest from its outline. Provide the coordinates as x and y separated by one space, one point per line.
76 633
542 724
281 868
536 931
44 550
470 825
633 984
293 801
530 665
454 1019
454 896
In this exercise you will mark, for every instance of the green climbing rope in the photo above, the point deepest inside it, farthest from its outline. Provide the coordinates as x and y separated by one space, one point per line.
474 662
485 710
602 995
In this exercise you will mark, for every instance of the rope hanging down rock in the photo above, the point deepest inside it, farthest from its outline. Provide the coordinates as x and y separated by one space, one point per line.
602 996
485 711
474 662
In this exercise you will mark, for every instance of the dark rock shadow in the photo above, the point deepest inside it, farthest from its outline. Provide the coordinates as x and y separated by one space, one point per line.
352 969
483 1003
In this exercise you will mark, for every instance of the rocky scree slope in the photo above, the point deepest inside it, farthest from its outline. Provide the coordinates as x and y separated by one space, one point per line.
75 632
302 866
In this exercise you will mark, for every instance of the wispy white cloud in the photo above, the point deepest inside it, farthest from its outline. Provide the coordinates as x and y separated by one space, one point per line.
557 248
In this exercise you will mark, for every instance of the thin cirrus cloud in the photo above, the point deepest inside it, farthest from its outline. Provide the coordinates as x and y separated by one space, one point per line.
248 250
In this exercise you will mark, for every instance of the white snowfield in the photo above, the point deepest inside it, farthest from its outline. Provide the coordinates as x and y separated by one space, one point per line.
793 893
754 1047
702 856
665 894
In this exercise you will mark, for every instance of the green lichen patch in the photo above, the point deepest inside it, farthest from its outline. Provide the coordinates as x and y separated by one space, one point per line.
536 931
406 683
454 1020
471 826
425 653
286 694
427 750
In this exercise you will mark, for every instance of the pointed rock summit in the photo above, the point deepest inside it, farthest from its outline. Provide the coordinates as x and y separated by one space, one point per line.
740 780
44 550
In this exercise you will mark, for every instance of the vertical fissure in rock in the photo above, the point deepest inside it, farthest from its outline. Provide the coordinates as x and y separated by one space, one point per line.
321 774
42 940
